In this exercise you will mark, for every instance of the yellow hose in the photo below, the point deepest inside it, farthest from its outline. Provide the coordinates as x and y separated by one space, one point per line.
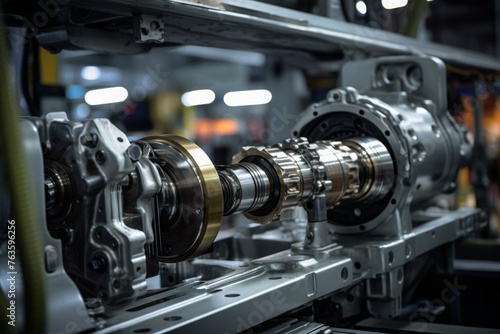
28 237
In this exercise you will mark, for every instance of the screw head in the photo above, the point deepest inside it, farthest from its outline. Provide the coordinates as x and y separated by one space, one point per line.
90 140
97 264
134 151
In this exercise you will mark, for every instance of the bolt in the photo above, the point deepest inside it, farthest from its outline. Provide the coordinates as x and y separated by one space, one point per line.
310 236
168 249
100 157
97 264
134 151
50 191
90 140
50 259
93 303
154 25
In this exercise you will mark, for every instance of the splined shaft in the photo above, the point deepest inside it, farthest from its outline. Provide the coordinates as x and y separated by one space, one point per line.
264 182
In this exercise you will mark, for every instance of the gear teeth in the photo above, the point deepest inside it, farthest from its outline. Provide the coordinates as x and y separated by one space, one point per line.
350 168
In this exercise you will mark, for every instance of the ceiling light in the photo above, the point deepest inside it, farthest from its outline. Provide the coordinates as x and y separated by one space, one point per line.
90 73
248 97
106 95
393 4
198 97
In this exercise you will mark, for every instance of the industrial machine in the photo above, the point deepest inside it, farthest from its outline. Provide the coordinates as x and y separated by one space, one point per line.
347 212
365 163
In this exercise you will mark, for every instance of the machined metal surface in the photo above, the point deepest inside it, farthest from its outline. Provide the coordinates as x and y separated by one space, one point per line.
297 171
410 119
246 186
199 211
65 300
279 283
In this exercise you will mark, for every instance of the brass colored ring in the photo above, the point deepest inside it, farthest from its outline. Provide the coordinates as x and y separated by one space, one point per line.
213 207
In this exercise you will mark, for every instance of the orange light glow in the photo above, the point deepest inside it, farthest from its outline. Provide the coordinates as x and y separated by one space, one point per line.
207 128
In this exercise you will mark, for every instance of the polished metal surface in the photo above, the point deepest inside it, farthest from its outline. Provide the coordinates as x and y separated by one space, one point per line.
199 196
426 145
297 171
378 170
245 187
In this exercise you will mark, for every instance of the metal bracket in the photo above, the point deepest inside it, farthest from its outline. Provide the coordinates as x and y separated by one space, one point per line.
148 28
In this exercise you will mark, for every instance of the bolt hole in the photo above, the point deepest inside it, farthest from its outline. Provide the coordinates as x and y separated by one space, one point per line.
393 201
214 291
408 251
98 234
390 256
120 139
172 318
336 96
309 205
418 186
357 265
295 133
400 276
324 126
100 157
344 274
362 227
387 133
232 295
138 269
142 330
350 298
414 77
315 113
170 278
361 112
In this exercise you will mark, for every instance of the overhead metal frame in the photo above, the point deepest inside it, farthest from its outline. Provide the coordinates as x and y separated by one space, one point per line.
259 26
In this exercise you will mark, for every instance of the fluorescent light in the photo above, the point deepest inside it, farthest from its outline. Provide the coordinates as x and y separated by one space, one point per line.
90 73
393 4
198 97
361 7
106 95
247 97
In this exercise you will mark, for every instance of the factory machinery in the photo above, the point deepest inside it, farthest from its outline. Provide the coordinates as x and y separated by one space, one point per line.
365 164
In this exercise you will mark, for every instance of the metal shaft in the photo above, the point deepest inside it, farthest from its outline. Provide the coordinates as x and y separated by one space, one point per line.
266 181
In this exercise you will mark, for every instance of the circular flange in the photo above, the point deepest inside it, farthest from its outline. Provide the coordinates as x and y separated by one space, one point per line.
197 220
